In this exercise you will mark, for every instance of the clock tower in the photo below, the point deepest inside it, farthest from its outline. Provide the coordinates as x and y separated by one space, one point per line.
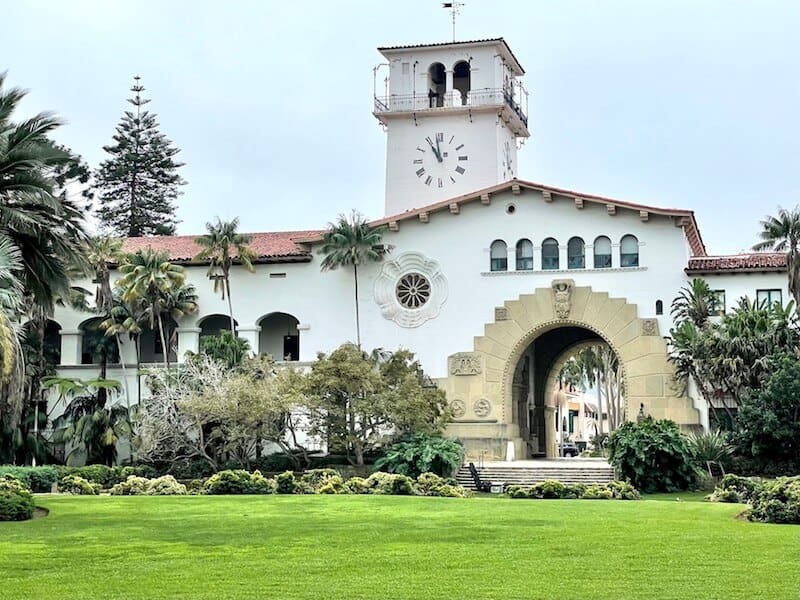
452 114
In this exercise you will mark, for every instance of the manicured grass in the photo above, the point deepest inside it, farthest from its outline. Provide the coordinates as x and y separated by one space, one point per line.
355 547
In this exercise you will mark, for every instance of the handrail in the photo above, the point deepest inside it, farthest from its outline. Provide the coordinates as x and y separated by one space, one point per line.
451 99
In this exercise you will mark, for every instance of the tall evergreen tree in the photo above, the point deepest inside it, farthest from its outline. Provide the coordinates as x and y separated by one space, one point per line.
138 185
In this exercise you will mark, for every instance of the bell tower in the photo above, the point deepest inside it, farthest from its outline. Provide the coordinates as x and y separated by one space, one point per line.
453 113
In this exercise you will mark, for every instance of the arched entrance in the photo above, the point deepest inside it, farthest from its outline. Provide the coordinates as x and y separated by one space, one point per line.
481 384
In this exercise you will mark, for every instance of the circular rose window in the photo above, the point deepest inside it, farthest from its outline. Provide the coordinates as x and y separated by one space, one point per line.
413 290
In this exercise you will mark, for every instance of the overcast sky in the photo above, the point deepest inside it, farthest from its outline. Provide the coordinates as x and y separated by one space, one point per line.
675 103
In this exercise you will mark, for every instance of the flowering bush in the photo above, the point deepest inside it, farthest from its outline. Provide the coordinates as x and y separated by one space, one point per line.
78 486
16 500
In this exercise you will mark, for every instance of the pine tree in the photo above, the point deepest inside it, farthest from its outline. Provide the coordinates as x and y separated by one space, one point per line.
138 186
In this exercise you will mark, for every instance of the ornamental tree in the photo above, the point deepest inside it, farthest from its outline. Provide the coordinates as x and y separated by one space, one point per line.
137 186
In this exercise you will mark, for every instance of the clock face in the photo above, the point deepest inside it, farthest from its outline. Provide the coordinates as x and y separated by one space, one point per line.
440 160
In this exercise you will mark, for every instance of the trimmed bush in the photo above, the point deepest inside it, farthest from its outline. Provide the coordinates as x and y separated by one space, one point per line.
132 486
333 485
777 501
286 483
391 484
736 489
78 486
141 486
16 500
357 485
237 481
38 479
430 484
552 489
653 455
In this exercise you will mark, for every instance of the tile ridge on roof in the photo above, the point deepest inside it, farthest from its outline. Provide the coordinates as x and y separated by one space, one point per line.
501 40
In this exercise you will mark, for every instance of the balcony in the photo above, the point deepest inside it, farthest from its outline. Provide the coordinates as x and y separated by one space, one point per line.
474 99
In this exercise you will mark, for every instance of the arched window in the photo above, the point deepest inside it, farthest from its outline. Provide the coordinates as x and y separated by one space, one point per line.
659 307
437 85
602 253
279 336
550 254
524 255
499 256
461 81
576 253
629 251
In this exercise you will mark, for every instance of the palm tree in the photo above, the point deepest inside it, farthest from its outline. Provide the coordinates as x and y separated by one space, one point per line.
695 302
782 234
148 277
101 251
47 230
10 304
351 242
88 423
222 246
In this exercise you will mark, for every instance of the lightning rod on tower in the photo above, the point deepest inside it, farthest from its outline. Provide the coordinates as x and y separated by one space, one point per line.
455 9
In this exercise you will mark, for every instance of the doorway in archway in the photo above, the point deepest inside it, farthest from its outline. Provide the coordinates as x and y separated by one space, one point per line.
567 392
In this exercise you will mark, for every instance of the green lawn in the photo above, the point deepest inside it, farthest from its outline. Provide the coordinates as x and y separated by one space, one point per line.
395 547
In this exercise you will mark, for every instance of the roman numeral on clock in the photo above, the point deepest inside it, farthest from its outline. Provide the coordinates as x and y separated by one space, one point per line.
420 171
460 170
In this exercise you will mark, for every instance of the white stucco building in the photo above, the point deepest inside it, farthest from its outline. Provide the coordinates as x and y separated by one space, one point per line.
491 279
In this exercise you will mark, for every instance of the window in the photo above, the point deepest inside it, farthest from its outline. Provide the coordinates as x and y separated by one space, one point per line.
659 307
717 307
576 253
549 254
602 253
629 251
524 255
499 256
413 290
767 298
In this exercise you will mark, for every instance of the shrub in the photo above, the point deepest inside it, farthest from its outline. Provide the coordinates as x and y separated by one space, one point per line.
597 491
315 478
517 491
574 491
166 485
101 474
430 484
38 479
548 489
357 485
287 484
132 486
777 501
196 487
277 462
422 453
712 446
745 489
622 490
393 484
333 485
78 486
653 455
16 500
237 481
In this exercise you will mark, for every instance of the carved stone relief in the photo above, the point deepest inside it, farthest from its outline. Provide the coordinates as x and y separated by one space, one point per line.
482 408
649 327
465 363
562 297
500 313
410 289
459 408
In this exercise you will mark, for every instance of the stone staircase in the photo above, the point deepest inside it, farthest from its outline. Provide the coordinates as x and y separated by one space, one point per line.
529 472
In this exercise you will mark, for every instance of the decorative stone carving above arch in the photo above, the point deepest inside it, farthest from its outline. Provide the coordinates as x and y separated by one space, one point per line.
410 289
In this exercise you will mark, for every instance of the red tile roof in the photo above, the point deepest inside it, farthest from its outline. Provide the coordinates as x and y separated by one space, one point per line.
756 261
270 246
683 218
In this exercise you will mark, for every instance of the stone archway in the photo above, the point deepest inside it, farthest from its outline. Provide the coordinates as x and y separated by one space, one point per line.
480 383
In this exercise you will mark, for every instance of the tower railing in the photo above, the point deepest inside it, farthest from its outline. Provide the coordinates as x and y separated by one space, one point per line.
452 99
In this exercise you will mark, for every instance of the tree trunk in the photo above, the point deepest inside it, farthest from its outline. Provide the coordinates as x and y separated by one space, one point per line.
124 373
164 348
358 320
599 405
230 305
